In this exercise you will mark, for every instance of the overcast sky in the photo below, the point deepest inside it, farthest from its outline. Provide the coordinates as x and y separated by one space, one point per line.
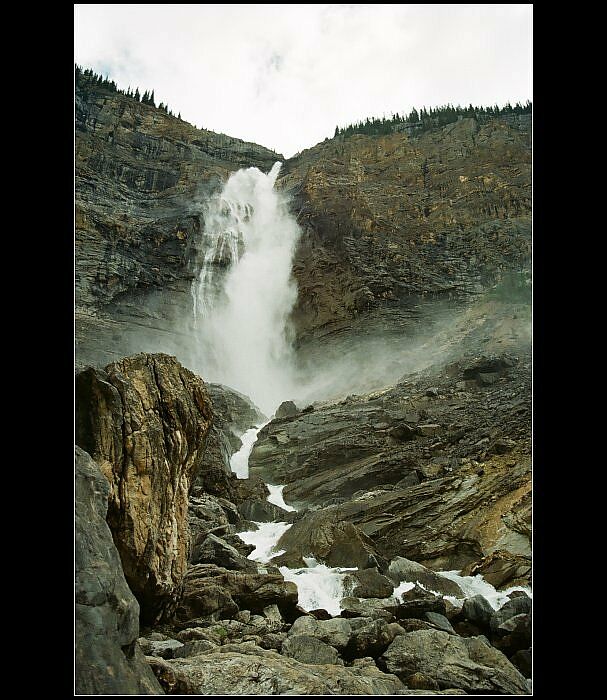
284 76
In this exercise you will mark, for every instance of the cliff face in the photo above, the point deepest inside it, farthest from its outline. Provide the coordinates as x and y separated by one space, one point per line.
389 222
141 179
392 220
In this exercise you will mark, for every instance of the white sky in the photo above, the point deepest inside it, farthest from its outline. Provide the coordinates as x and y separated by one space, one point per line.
284 76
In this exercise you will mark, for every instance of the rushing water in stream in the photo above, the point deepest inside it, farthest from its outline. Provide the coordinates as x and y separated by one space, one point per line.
242 299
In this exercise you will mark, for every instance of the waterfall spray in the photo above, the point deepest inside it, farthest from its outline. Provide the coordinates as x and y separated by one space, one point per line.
242 320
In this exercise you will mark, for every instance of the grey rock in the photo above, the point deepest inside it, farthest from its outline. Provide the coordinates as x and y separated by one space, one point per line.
335 632
273 640
108 659
256 671
286 410
374 608
485 379
417 602
322 535
165 649
372 638
514 634
439 621
453 662
264 512
402 569
429 429
193 648
403 432
214 592
523 661
514 606
215 550
309 650
478 611
369 583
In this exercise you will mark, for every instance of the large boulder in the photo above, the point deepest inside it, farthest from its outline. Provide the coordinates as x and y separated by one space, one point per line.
402 569
323 535
262 511
371 637
144 419
215 550
515 606
335 632
514 634
309 650
212 591
108 658
255 671
369 583
478 610
287 409
453 662
417 602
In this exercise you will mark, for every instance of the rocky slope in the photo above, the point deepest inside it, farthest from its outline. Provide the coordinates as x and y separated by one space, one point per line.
229 622
436 469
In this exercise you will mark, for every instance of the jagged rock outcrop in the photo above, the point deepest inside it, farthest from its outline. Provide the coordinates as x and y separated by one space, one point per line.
144 420
401 569
108 659
326 537
211 591
233 414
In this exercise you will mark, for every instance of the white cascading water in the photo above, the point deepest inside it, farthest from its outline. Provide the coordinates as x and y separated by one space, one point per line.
321 586
239 461
242 323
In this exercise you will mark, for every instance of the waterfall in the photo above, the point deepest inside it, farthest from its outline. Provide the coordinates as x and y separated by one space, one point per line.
241 316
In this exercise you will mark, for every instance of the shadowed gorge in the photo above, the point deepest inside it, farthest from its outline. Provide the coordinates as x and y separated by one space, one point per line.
303 407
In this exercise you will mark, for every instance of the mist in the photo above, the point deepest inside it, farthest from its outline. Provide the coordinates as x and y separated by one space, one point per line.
238 332
244 293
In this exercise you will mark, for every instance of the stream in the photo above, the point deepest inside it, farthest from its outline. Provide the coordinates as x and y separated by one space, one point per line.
321 586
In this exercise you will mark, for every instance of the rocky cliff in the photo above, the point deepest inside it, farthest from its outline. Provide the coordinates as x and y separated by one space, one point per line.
142 177
108 658
390 223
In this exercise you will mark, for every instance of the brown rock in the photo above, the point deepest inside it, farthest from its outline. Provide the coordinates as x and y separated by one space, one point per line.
144 419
